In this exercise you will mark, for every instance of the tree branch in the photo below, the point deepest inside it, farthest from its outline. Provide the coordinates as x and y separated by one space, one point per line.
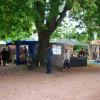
55 22
40 14
62 14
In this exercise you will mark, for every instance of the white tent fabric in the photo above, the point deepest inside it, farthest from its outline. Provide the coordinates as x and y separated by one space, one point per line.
2 42
65 41
70 42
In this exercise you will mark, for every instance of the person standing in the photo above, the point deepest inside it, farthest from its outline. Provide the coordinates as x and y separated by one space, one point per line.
82 53
25 50
4 56
49 58
8 51
66 62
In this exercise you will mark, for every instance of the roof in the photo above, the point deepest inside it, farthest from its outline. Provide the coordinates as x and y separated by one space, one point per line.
22 42
70 42
95 42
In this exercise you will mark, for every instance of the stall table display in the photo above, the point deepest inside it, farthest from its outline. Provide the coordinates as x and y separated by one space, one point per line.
78 61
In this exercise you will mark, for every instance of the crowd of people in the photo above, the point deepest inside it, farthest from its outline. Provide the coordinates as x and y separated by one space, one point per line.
68 53
8 54
5 58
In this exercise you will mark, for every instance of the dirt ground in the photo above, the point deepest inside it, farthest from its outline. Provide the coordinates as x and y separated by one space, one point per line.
18 83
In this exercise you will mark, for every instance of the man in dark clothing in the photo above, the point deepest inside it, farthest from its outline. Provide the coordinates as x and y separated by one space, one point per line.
4 56
49 57
8 52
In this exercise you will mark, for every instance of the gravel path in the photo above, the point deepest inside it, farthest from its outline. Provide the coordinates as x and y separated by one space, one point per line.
79 84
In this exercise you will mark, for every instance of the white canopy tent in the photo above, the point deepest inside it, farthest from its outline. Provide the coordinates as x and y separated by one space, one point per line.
96 49
71 42
2 42
59 47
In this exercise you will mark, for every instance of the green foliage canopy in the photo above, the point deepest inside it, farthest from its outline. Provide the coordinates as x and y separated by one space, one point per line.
18 16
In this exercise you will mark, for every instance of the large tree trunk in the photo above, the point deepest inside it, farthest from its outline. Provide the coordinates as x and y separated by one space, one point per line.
43 41
46 29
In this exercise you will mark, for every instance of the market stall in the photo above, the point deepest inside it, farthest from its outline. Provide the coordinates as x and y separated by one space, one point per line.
21 57
58 48
95 47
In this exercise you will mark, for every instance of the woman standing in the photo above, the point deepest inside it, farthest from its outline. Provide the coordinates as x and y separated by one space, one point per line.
66 60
